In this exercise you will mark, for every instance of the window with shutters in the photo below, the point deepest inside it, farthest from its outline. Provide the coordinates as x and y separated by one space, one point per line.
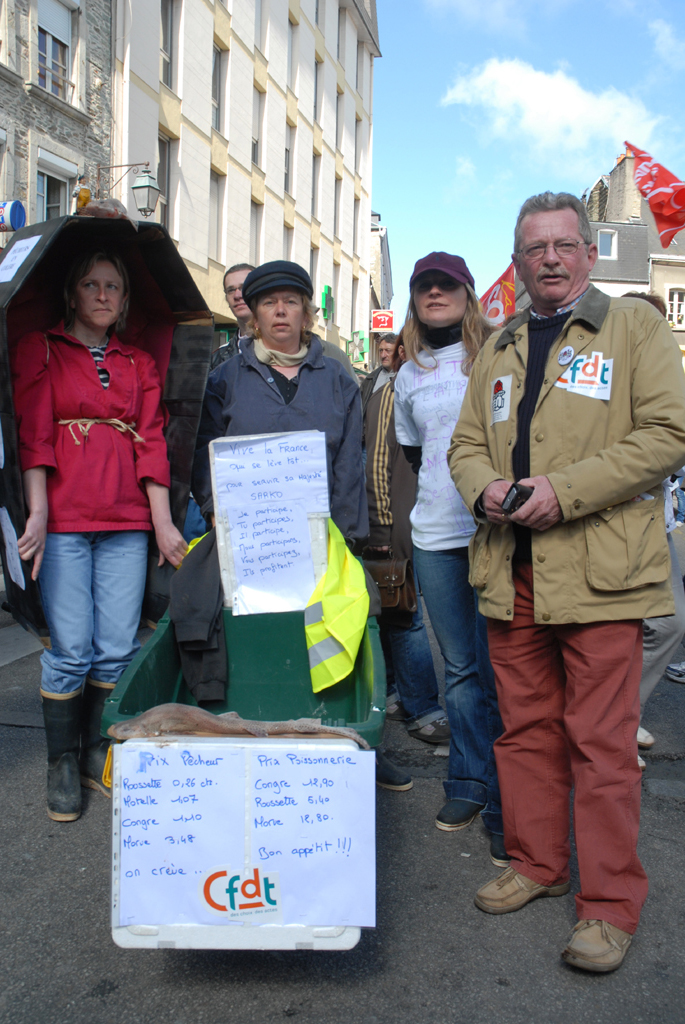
313 265
216 89
316 175
288 235
288 183
166 42
215 218
163 179
51 194
292 55
342 24
336 208
257 121
54 46
318 89
255 234
339 119
676 307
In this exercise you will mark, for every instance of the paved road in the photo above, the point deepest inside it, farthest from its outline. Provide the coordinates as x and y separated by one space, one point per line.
433 959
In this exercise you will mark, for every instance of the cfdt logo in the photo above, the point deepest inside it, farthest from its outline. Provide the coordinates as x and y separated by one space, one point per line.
243 896
589 376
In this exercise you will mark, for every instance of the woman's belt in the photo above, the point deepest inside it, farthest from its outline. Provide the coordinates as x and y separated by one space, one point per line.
84 426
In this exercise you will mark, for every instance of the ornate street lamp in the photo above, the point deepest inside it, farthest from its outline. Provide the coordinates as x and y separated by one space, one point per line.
146 193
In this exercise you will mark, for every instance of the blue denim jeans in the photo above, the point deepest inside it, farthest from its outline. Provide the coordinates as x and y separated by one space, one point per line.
410 671
91 587
470 695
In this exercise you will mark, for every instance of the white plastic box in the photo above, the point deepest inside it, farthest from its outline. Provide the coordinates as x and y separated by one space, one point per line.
155 779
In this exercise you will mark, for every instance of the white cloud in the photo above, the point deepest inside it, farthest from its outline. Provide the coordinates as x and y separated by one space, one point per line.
466 168
667 46
551 113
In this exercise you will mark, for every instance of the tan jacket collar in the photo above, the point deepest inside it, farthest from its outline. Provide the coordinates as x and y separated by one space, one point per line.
592 310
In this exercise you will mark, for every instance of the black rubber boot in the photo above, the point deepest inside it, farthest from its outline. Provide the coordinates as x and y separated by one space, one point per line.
93 746
62 716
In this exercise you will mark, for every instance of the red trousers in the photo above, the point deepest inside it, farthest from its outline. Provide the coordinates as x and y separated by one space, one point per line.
569 699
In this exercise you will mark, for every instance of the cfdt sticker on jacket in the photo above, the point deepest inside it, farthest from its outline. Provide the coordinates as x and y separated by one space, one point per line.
252 896
589 376
500 398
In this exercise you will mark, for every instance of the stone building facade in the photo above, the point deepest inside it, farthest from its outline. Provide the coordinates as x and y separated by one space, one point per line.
55 100
257 115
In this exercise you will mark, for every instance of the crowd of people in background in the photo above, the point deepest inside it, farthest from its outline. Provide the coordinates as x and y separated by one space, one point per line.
525 473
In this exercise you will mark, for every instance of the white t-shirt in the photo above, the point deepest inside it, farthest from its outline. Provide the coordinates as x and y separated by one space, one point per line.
427 405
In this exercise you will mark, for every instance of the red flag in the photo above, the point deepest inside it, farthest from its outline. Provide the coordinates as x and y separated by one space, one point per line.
499 300
664 193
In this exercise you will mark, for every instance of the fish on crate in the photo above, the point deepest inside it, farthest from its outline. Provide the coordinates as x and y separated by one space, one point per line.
187 720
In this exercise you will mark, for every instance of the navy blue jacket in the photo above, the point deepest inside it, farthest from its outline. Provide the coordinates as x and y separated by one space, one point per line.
242 398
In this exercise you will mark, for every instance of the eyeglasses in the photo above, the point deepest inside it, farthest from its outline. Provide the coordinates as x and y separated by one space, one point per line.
563 247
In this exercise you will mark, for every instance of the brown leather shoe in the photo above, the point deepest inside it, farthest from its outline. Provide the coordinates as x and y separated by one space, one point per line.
510 891
596 946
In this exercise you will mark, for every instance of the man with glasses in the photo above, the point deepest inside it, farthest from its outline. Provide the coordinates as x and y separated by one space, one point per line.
581 399
233 290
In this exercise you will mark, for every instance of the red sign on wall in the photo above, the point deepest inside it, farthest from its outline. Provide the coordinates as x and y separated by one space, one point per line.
382 319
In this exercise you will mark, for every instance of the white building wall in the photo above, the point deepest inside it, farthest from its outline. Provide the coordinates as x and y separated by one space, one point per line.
183 114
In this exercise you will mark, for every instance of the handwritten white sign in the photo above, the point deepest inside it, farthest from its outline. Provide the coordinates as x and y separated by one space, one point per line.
272 468
16 256
12 549
231 832
174 803
312 820
272 558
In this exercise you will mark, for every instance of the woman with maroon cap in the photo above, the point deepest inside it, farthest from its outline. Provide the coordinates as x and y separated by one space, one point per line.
444 331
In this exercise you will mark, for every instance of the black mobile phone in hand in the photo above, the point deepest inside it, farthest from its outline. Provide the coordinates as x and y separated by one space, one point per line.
516 496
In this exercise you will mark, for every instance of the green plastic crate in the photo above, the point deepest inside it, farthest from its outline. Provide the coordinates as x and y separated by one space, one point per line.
268 677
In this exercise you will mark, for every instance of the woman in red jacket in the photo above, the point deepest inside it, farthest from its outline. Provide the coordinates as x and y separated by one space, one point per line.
96 481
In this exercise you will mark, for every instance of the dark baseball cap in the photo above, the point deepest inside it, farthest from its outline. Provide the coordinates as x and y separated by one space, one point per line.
277 274
453 266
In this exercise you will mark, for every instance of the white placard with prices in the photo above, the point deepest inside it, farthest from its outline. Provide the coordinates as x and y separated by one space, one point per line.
229 832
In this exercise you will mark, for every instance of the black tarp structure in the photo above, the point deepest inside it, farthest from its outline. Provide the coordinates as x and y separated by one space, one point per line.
167 317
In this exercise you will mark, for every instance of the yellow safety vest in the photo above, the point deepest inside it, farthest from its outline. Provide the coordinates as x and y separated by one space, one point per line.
335 618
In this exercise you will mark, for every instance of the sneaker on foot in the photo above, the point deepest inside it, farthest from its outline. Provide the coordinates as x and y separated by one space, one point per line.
596 946
510 891
457 814
641 763
645 739
498 854
394 712
435 732
389 776
676 672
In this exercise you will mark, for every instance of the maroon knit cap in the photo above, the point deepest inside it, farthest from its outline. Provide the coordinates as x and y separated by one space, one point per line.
453 266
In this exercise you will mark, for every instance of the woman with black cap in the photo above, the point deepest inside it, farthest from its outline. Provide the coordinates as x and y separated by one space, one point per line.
444 331
280 381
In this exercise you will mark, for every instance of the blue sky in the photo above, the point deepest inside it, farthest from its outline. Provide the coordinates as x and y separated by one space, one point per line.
480 103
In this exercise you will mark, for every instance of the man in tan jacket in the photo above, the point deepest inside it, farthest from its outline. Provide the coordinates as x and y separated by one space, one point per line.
581 398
